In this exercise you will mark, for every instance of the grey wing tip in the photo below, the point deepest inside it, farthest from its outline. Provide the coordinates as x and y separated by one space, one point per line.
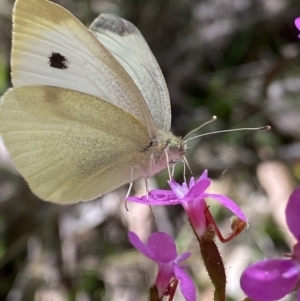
114 24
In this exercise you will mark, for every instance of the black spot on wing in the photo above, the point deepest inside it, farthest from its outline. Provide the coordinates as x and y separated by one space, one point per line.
114 24
58 61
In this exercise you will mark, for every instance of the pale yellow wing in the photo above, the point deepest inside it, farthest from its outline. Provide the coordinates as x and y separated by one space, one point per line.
129 47
69 146
51 47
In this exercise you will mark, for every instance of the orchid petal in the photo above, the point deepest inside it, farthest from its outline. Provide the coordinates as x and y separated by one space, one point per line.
139 245
140 200
182 257
292 211
179 190
198 189
154 195
162 246
164 275
204 175
228 203
294 271
192 182
187 286
156 198
162 194
268 280
297 23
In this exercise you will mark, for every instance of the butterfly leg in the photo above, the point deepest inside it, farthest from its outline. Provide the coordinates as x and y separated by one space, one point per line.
147 186
151 166
130 186
168 165
131 182
185 162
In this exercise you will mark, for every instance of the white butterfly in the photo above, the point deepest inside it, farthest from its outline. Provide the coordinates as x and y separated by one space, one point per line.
89 110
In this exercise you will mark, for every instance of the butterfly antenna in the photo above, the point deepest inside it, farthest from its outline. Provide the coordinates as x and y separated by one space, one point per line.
213 119
262 128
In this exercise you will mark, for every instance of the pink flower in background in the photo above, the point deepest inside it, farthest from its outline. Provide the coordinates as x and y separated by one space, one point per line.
192 197
297 24
161 248
272 279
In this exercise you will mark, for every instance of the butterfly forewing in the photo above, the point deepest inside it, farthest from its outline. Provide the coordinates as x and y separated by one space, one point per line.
51 47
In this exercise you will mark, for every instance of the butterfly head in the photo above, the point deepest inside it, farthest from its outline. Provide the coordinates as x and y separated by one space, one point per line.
172 148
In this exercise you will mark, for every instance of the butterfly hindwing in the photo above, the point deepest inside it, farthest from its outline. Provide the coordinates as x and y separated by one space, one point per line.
63 146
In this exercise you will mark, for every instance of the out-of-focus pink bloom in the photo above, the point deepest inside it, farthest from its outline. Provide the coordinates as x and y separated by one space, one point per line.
272 279
297 24
161 248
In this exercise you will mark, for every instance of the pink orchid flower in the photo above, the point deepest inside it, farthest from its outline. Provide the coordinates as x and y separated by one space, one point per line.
161 248
272 279
192 197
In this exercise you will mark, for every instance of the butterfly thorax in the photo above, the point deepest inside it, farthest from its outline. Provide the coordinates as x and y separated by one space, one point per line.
164 150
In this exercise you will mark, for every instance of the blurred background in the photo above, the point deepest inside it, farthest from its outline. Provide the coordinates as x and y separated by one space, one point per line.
237 59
